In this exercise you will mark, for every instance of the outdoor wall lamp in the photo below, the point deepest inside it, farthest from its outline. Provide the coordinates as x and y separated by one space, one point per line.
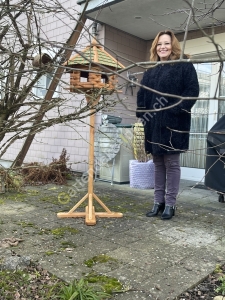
132 83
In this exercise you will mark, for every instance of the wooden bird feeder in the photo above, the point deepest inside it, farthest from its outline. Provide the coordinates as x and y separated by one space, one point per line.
86 79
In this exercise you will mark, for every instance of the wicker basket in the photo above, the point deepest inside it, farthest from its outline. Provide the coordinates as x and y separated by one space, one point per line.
142 174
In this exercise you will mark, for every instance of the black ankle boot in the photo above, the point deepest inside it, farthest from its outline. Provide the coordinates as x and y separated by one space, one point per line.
168 213
157 207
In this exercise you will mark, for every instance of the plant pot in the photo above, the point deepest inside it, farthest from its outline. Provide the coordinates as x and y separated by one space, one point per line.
142 174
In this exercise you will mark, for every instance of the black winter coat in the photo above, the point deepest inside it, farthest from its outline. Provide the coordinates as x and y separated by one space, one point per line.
167 131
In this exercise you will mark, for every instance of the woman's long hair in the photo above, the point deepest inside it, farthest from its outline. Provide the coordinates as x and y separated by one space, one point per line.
176 49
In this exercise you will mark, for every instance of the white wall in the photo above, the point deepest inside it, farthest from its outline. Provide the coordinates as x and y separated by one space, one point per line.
203 45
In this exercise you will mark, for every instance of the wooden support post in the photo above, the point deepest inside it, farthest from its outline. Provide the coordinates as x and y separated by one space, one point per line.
90 214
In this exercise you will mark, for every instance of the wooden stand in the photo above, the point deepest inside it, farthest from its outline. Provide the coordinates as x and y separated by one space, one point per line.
90 214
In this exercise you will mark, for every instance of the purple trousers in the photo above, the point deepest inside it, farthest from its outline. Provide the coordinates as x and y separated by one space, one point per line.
167 178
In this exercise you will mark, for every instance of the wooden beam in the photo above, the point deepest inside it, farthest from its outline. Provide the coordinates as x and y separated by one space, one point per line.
54 83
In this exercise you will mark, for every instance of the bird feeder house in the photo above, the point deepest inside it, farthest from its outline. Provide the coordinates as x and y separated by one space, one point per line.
91 69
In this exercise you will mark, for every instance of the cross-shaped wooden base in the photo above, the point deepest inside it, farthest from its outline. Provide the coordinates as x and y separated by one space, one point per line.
90 214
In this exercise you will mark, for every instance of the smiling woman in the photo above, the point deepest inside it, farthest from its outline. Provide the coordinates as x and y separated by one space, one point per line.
167 130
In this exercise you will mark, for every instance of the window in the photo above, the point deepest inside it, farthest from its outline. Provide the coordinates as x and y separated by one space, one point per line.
199 117
42 85
221 103
2 84
3 78
195 157
222 83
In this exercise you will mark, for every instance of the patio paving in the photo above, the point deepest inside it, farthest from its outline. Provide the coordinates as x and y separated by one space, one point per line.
154 259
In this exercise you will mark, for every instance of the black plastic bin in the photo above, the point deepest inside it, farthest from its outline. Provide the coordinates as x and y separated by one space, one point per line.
215 159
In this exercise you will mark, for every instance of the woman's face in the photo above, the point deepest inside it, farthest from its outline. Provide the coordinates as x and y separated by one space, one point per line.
164 47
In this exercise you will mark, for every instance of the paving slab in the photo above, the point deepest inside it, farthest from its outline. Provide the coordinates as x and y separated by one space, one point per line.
153 259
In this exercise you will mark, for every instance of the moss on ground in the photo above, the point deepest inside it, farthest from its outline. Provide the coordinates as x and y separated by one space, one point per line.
32 192
25 224
18 197
58 232
48 253
51 199
218 269
61 231
109 284
102 258
66 244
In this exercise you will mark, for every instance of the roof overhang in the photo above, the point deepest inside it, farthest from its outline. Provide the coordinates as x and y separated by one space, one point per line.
144 18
